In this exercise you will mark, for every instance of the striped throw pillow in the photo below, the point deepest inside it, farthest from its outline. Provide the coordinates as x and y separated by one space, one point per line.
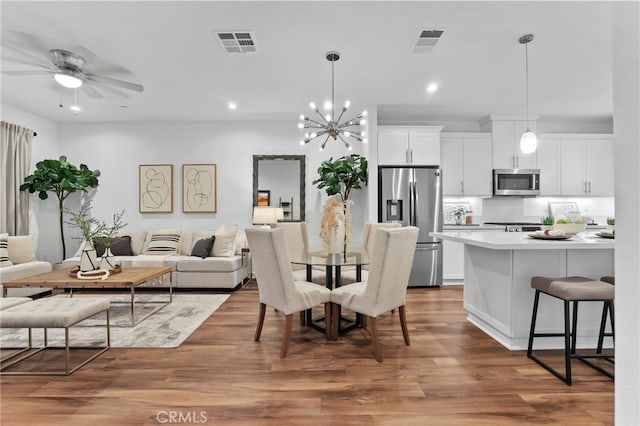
163 244
4 250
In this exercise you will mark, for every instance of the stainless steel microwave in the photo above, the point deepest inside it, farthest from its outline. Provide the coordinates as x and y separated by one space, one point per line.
520 182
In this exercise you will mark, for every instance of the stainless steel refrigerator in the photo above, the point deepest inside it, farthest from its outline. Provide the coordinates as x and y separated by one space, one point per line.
412 196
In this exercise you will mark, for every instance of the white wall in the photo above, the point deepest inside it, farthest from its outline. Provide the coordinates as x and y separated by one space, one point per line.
626 107
43 215
117 149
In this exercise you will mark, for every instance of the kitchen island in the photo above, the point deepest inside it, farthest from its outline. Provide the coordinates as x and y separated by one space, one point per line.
498 267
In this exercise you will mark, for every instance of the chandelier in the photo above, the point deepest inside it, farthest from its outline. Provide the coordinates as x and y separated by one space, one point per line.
329 124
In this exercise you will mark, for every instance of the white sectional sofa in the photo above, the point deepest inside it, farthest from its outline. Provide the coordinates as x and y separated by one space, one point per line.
223 268
20 262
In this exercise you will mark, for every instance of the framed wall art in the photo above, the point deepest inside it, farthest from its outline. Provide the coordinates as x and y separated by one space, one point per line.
199 190
155 191
264 197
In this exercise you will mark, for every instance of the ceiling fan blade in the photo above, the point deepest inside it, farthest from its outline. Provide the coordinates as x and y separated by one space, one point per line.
26 72
91 91
26 57
112 81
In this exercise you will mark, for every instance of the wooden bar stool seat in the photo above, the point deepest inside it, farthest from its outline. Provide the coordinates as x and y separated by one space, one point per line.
570 290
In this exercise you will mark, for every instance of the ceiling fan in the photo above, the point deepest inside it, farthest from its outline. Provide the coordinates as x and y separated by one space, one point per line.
67 69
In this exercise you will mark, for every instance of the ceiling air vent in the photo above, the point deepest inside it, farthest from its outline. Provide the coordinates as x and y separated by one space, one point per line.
427 39
237 41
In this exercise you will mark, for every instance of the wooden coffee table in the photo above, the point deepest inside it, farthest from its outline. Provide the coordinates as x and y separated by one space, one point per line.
60 278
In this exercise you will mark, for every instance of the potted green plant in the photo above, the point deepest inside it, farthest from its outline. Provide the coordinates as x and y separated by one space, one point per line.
547 222
611 221
458 214
340 177
63 179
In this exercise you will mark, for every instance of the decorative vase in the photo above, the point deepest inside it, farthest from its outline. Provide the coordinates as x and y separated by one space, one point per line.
458 220
336 243
88 258
107 261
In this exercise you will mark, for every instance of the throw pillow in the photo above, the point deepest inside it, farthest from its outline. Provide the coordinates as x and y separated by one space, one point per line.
223 244
163 244
22 249
120 247
202 248
4 250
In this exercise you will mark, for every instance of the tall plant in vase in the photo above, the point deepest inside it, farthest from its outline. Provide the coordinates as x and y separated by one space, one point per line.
339 177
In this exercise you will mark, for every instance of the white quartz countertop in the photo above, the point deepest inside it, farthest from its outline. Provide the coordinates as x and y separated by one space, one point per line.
522 241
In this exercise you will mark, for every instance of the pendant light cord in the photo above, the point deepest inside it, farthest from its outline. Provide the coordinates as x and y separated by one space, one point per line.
332 90
526 73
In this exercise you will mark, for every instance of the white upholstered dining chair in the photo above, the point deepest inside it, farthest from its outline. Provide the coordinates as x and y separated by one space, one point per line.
277 286
386 286
368 233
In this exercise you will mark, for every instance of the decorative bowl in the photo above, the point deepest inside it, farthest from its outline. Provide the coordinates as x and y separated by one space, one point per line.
570 228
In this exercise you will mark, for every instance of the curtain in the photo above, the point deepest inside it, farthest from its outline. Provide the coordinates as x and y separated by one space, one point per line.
15 159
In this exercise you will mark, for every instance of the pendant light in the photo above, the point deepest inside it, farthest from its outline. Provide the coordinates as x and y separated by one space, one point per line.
529 140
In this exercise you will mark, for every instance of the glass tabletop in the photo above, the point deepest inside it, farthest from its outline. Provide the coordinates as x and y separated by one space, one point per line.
315 258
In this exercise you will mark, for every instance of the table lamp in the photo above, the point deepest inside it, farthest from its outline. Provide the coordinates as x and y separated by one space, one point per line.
265 216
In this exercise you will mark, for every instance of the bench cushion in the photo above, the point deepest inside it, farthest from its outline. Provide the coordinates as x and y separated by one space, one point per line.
7 302
52 312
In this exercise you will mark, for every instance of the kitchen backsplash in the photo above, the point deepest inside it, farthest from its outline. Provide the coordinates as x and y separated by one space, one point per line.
515 209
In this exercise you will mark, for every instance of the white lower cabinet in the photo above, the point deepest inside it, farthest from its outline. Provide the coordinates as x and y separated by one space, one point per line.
452 261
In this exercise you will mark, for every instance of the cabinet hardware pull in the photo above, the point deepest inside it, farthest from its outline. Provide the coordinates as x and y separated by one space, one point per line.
589 187
462 186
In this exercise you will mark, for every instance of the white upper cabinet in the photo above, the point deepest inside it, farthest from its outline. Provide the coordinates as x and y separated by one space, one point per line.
586 165
506 145
548 154
409 145
466 164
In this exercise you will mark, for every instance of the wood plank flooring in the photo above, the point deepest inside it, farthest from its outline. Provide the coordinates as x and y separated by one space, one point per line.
452 374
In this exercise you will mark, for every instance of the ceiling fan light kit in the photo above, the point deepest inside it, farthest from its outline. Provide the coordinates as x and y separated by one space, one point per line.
329 124
529 140
67 80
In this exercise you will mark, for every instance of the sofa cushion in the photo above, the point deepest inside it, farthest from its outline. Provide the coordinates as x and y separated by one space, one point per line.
138 238
223 246
120 246
4 251
202 247
210 264
240 241
22 270
22 249
165 242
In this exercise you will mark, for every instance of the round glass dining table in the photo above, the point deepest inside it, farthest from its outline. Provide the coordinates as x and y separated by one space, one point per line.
333 265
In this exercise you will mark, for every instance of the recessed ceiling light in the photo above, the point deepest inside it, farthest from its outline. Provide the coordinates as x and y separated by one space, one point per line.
232 105
432 87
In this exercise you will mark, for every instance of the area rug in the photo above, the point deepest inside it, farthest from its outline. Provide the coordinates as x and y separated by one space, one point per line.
163 325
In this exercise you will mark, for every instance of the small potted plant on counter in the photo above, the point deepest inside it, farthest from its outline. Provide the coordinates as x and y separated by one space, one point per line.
547 222
458 214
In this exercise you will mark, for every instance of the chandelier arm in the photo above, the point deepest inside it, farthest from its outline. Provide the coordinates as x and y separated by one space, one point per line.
346 124
341 114
344 141
323 117
325 142
319 126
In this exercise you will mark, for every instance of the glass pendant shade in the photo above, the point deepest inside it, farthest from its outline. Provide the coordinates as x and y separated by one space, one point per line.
528 142
67 80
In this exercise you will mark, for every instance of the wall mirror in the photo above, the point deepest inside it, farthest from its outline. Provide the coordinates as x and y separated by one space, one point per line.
278 181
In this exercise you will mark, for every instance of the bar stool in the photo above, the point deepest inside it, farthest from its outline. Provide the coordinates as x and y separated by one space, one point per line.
569 289
607 308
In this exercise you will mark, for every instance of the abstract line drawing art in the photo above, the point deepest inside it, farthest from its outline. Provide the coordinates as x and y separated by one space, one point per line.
199 192
156 188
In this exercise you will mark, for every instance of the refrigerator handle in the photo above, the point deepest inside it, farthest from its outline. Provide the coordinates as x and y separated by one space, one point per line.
413 220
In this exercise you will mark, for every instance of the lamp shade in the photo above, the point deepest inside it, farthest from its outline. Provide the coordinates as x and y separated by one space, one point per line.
265 215
67 80
528 142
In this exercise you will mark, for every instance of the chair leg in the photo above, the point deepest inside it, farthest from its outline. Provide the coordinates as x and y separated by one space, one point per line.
567 343
303 318
263 309
328 323
534 316
403 324
373 327
574 327
335 320
603 325
288 324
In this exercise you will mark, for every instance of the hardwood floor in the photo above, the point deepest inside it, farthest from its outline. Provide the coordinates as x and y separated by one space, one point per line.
452 374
